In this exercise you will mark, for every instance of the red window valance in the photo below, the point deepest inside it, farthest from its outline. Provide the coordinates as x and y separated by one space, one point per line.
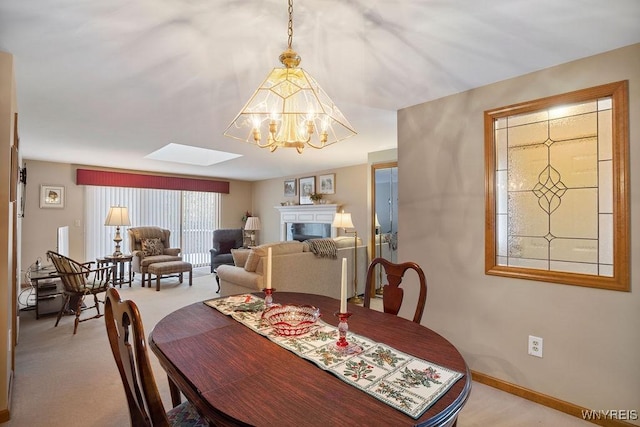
133 180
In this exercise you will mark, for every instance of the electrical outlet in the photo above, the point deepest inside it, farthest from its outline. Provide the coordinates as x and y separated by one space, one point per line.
535 346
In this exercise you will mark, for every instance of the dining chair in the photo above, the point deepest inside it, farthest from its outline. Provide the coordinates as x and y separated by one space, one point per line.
79 280
129 348
392 293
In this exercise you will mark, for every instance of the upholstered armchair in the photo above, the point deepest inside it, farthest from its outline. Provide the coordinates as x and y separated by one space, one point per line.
224 240
150 245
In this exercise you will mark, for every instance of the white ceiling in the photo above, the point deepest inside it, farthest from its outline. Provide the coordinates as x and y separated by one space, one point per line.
106 83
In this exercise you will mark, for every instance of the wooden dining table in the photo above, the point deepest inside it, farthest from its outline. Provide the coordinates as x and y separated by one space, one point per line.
235 376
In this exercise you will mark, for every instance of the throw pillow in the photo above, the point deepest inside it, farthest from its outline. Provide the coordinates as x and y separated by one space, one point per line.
252 261
226 246
240 257
152 247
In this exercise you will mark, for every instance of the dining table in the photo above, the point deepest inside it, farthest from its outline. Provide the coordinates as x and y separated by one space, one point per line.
237 377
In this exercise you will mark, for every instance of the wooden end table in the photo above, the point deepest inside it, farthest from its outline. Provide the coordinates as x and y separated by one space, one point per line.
118 268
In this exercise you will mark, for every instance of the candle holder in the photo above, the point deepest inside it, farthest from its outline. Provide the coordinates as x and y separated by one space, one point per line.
268 298
342 345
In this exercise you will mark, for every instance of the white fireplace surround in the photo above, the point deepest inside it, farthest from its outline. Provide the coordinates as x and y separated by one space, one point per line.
306 214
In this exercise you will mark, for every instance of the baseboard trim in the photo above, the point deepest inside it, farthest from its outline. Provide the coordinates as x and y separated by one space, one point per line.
543 399
4 416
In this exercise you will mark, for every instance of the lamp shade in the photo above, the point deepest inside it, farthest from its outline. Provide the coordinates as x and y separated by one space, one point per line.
117 216
253 223
342 220
377 223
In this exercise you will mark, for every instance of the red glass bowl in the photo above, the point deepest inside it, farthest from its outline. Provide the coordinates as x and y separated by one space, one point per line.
291 320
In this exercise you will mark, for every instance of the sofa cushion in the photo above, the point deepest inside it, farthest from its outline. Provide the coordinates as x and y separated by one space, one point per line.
277 248
346 241
252 261
148 260
152 247
280 248
240 256
226 246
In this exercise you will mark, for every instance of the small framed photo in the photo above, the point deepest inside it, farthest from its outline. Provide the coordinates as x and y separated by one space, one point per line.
290 187
51 196
327 183
307 186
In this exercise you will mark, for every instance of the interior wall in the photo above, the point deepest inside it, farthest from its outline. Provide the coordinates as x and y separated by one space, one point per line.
351 194
39 226
235 204
8 107
591 346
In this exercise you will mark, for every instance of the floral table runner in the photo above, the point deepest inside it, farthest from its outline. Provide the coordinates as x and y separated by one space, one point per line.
400 380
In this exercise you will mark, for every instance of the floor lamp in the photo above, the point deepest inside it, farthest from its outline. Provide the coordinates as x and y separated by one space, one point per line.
343 220
117 216
379 242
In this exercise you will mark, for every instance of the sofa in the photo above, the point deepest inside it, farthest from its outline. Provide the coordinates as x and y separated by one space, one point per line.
294 268
150 245
224 239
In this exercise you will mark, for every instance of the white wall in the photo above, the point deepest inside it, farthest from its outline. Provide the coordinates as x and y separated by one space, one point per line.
591 346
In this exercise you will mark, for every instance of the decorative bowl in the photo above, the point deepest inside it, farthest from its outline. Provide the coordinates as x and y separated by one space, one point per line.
291 320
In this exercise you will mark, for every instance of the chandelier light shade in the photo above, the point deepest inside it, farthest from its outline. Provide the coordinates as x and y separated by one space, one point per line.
117 216
290 109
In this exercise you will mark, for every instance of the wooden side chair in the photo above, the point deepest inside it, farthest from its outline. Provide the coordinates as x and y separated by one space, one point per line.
392 293
129 347
79 280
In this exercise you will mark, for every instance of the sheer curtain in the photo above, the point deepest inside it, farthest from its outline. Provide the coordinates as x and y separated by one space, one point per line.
191 216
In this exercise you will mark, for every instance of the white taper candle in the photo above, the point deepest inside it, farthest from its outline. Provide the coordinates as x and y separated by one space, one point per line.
268 268
343 289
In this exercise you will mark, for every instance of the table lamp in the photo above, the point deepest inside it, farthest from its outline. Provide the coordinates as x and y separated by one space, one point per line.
252 225
117 216
343 220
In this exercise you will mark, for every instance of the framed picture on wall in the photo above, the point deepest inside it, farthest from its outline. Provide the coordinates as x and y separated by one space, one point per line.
327 183
290 187
307 186
51 196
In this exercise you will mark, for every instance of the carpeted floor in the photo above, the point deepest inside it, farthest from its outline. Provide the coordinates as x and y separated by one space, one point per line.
63 379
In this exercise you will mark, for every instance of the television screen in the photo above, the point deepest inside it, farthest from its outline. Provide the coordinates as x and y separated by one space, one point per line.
63 241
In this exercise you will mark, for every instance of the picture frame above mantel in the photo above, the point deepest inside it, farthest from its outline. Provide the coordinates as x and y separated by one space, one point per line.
307 187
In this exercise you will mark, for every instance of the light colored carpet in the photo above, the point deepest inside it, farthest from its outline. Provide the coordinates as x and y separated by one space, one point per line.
67 380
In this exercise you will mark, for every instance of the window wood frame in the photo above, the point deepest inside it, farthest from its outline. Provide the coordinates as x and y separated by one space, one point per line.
620 280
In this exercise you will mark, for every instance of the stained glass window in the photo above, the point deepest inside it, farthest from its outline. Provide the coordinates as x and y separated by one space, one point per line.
557 170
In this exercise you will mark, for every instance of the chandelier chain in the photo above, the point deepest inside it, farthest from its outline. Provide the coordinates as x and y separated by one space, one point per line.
290 28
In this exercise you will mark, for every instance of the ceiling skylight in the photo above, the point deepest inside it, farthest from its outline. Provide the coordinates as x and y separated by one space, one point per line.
180 153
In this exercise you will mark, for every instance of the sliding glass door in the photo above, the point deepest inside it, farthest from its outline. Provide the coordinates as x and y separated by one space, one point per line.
190 216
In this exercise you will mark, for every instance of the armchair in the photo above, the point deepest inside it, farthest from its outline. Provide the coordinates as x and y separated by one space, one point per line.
150 245
79 280
224 240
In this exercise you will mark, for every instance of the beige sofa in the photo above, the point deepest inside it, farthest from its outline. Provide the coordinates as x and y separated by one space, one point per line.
294 268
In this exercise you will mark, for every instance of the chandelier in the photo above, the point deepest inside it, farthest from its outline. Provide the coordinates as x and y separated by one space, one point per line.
290 109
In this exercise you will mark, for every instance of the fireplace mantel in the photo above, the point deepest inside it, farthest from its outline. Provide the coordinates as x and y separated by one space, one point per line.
316 214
